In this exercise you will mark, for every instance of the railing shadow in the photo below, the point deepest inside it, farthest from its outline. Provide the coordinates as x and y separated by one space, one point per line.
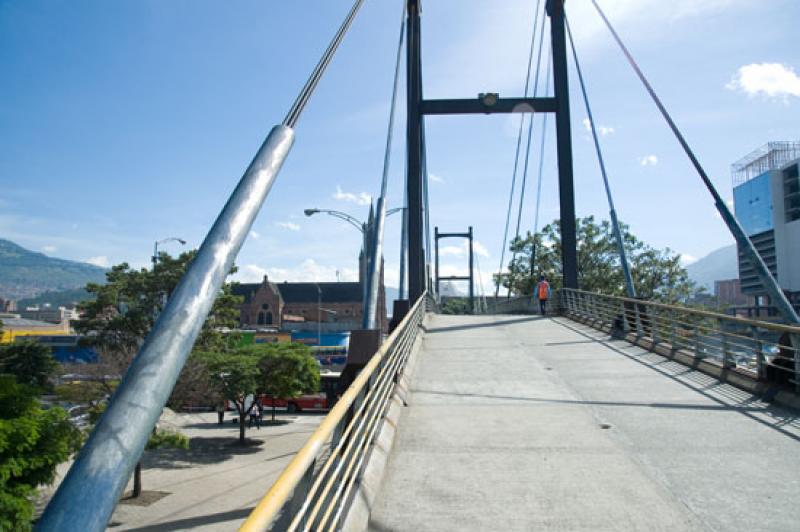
194 522
702 384
483 325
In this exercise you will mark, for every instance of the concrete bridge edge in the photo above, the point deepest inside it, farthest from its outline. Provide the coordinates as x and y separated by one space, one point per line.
369 483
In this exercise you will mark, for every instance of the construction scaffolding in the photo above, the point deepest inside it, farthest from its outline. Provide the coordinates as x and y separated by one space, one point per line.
768 157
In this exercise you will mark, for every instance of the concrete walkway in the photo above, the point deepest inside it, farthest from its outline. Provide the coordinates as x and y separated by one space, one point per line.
523 423
216 483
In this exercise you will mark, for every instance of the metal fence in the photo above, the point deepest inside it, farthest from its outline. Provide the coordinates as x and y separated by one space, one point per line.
313 491
766 350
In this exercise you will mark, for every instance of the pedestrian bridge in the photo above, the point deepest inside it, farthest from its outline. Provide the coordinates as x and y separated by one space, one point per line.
523 422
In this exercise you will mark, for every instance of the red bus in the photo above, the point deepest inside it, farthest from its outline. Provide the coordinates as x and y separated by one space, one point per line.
324 399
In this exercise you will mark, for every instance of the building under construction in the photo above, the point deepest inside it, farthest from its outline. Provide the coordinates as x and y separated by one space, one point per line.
766 195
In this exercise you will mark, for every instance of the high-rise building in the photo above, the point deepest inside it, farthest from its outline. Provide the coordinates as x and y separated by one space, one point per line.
766 195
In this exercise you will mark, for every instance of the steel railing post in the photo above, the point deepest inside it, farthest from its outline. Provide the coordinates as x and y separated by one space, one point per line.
727 362
654 317
796 352
761 363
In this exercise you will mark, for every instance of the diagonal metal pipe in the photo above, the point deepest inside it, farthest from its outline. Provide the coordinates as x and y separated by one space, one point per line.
86 498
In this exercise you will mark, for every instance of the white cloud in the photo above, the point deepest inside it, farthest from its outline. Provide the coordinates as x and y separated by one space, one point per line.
255 235
307 271
455 251
771 80
100 260
436 178
687 259
461 251
602 130
362 198
648 160
479 249
49 249
291 226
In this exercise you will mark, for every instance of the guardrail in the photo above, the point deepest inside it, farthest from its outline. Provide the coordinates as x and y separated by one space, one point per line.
512 305
519 305
768 351
313 491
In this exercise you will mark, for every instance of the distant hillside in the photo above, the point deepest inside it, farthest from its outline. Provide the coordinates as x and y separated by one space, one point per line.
63 298
716 266
25 273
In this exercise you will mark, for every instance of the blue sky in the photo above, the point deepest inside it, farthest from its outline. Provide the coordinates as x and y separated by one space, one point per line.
126 122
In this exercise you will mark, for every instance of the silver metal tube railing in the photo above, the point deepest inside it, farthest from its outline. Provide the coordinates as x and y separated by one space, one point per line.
313 491
765 349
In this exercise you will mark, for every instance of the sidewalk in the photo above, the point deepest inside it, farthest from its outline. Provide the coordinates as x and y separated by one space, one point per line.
214 484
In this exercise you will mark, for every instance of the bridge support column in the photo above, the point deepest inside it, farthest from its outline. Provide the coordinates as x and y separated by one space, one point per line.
416 254
569 257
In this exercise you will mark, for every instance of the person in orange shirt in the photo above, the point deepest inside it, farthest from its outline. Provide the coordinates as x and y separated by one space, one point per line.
543 294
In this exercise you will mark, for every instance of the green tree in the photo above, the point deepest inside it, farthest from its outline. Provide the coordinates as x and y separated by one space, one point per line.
657 274
236 376
455 305
29 362
124 310
33 442
288 370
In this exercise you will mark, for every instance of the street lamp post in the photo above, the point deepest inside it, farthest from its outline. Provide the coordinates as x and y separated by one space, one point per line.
181 241
366 229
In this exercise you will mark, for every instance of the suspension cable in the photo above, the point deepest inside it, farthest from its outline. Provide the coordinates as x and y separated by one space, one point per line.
516 155
302 99
528 153
746 246
539 177
626 271
375 252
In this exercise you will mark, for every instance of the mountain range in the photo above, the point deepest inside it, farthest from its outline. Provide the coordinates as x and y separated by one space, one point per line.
718 265
25 273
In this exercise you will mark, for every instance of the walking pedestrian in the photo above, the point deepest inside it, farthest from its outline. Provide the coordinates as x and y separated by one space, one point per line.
543 294
220 412
255 415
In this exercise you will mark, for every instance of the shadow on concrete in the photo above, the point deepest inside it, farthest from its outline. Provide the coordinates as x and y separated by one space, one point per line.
201 451
701 383
544 400
570 343
480 325
194 522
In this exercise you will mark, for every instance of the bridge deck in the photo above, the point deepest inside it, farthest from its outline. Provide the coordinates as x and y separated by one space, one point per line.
523 423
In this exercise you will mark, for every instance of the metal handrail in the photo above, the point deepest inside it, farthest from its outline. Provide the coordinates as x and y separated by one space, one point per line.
744 344
304 495
777 327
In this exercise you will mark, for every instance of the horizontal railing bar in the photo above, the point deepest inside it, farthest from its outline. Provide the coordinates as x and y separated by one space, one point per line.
732 319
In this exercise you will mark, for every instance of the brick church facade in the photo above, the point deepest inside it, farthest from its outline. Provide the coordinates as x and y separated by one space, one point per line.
271 304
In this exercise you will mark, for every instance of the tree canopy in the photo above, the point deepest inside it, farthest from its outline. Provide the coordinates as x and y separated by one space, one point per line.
29 362
288 370
125 308
33 441
657 274
282 370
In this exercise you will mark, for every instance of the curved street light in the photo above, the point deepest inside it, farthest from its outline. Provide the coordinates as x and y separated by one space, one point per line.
170 239
352 220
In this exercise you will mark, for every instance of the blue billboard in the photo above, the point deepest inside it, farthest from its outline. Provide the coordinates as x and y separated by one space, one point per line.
753 204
